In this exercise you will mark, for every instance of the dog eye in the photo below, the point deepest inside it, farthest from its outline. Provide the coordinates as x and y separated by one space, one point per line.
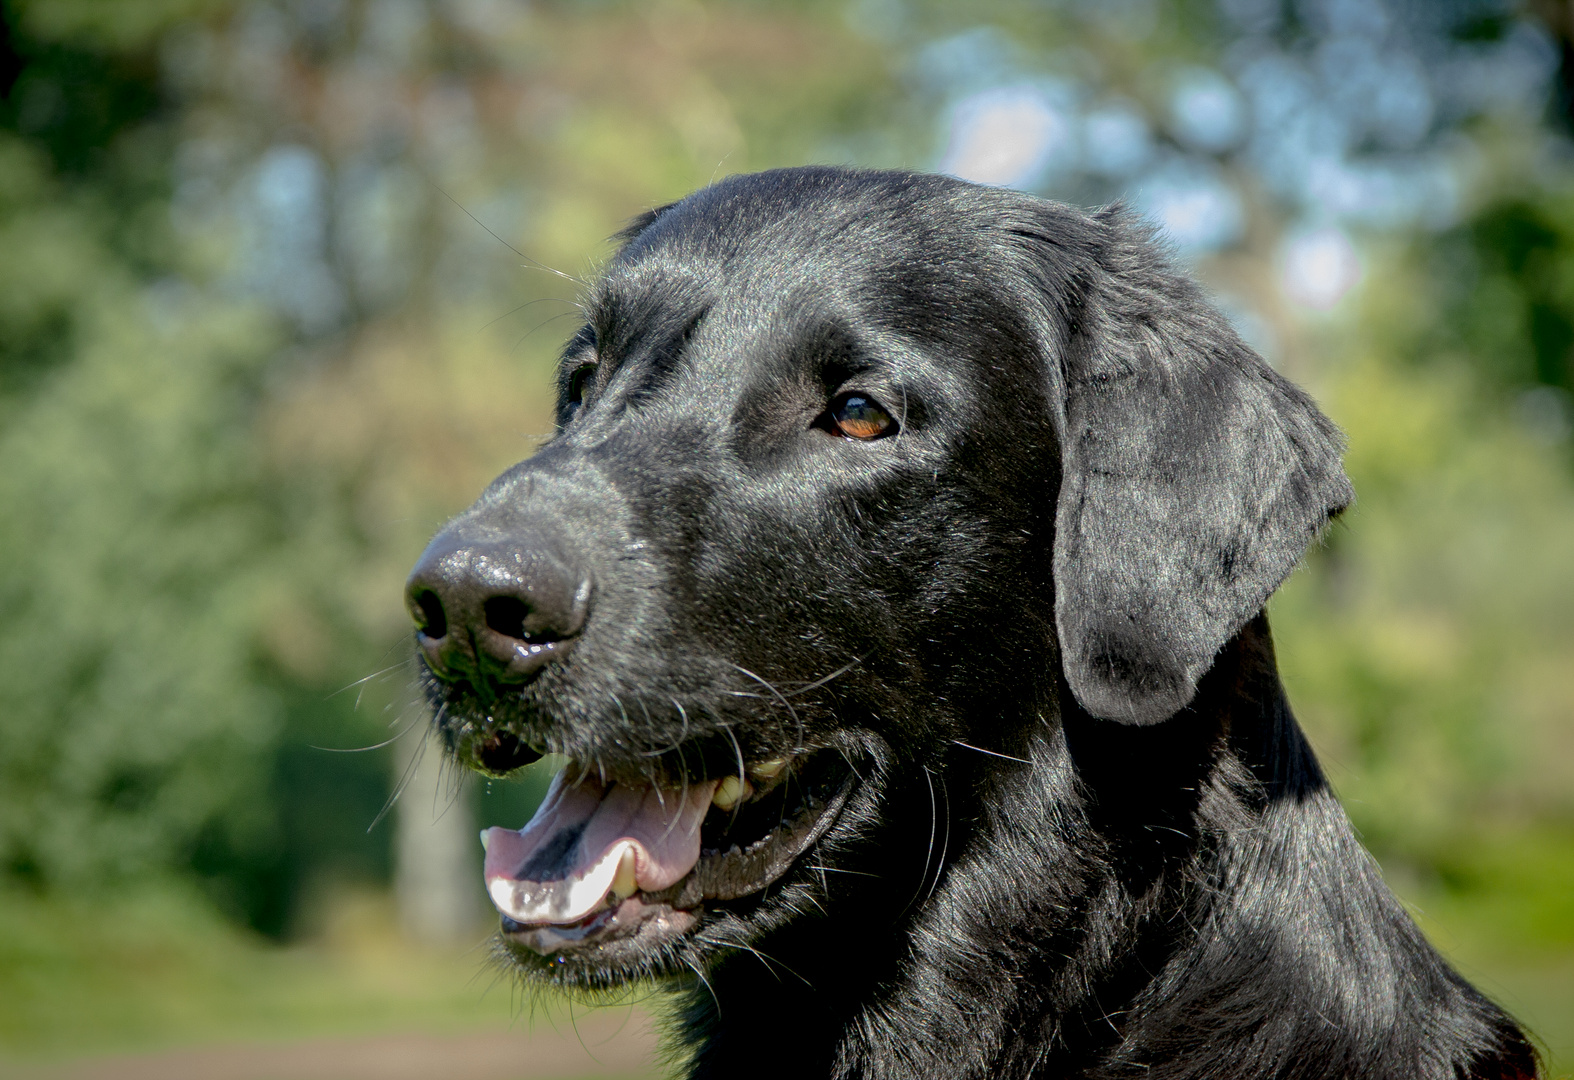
576 384
855 416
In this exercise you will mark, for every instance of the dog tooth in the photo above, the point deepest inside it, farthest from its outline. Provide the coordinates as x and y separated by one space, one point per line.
623 885
768 770
731 791
484 840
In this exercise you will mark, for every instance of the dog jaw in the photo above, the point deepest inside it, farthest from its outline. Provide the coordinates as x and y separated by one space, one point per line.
607 872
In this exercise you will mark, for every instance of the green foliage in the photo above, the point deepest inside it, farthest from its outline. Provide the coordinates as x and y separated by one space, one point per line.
145 540
108 25
1426 646
1507 288
127 551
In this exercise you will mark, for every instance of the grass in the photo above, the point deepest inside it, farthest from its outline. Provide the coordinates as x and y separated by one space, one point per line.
159 969
1502 911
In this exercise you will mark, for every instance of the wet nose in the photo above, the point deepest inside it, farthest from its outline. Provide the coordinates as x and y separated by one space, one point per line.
495 612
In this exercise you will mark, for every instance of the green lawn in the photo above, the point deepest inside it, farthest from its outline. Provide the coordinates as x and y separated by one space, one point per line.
1483 936
159 969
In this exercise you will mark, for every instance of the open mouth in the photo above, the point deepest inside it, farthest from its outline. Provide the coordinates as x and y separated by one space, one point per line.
637 861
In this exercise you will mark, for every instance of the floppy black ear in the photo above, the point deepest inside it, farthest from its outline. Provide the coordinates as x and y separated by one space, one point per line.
1193 478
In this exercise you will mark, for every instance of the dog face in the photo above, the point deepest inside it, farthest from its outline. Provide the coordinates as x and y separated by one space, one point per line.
851 468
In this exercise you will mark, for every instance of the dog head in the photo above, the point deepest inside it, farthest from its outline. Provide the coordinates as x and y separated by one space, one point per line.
851 467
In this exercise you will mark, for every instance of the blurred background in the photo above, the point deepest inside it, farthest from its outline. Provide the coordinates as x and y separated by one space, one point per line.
281 285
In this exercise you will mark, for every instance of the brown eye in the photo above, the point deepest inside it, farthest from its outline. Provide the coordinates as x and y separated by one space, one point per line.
857 417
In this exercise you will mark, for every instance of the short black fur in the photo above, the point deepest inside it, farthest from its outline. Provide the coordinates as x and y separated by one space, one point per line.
1085 835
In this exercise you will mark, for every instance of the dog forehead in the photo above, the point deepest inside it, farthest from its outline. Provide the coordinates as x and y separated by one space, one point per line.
757 237
816 211
784 265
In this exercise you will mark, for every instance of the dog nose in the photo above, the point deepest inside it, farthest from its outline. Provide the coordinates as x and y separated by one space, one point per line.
495 612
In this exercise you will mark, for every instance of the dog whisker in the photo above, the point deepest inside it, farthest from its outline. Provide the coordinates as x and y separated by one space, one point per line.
777 694
929 851
838 673
697 971
404 780
742 775
811 898
992 753
533 263
649 724
945 843
544 323
449 787
770 962
417 723
683 716
851 764
364 679
621 710
529 303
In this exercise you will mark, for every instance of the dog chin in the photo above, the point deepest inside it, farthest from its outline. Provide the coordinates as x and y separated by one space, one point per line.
611 877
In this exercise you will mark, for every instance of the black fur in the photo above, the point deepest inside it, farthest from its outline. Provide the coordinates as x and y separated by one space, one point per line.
1089 838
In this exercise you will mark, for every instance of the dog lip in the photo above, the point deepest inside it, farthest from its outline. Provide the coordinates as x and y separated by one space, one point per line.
633 918
718 876
742 871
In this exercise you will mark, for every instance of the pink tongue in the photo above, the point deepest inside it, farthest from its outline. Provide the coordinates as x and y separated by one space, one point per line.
558 868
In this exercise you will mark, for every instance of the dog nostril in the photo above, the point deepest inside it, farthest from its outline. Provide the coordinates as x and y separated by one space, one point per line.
506 615
434 623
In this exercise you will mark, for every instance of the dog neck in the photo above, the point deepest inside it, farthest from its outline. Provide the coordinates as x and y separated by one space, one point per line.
1157 900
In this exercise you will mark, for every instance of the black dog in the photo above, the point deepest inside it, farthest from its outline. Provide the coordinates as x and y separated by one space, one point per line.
894 589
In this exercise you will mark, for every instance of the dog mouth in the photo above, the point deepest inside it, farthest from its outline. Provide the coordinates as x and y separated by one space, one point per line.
632 864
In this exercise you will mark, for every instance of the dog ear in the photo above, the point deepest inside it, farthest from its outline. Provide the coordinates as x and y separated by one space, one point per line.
639 223
1193 477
